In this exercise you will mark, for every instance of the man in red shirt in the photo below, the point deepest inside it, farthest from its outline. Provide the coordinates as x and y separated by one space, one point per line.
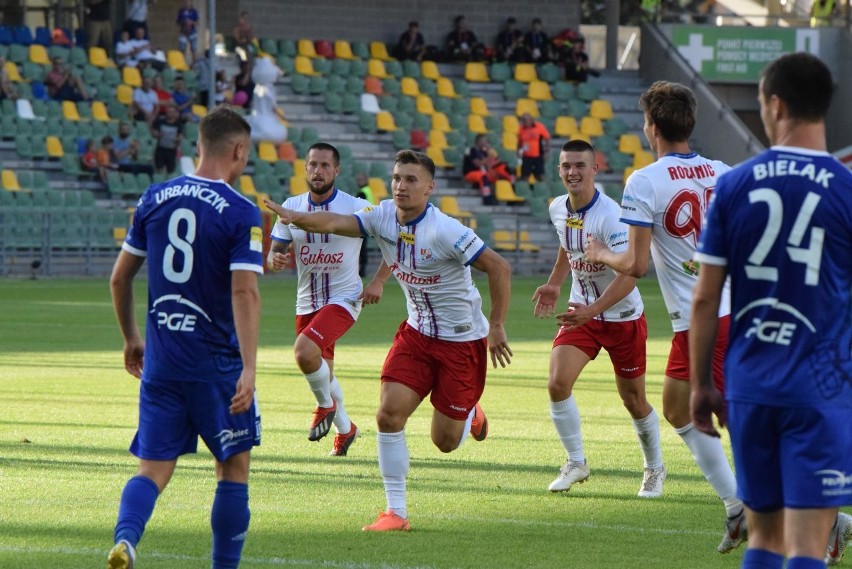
532 147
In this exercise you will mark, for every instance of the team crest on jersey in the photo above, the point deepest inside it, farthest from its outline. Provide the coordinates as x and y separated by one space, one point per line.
256 239
368 208
691 267
574 222
425 254
407 238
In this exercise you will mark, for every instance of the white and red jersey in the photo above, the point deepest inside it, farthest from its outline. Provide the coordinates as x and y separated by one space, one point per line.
327 265
590 280
431 257
670 196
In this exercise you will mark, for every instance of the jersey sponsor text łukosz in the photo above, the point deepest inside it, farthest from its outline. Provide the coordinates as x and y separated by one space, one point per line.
590 280
670 196
194 232
430 258
782 223
327 265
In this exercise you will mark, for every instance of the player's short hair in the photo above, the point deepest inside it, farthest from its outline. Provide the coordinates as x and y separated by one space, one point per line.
672 108
803 82
329 147
578 145
219 128
414 157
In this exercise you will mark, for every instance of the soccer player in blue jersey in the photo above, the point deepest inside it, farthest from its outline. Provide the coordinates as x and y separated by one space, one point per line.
203 243
780 225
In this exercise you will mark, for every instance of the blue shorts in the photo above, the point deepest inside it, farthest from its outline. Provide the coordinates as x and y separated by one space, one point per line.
172 415
793 457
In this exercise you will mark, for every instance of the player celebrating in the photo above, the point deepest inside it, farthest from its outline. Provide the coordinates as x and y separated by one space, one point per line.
605 311
441 348
328 300
663 205
781 226
203 243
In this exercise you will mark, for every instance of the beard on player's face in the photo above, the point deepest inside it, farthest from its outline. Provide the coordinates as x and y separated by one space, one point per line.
322 190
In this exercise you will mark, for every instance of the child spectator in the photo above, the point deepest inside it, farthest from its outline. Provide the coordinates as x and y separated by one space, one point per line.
89 161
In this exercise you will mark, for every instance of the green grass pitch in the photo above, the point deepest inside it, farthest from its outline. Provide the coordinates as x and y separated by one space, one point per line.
69 413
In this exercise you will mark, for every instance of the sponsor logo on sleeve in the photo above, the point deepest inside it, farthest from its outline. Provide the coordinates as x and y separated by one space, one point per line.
256 239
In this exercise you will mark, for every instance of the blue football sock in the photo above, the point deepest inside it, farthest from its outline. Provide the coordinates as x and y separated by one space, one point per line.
805 563
230 521
137 504
762 559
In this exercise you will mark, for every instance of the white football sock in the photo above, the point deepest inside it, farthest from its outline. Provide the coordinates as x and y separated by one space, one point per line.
393 464
708 454
648 433
466 429
342 424
319 383
566 419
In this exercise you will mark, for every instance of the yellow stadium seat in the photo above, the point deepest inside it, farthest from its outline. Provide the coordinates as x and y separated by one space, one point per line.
510 124
476 72
199 110
642 158
267 152
447 89
299 167
343 50
424 104
38 54
539 91
437 156
582 136
526 243
124 94
478 106
525 72
69 111
429 70
565 127
176 60
99 111
504 192
385 122
378 50
379 189
303 65
409 86
526 106
510 141
131 76
475 123
306 48
438 138
450 206
376 68
54 147
12 72
441 122
601 109
119 234
504 240
591 126
247 185
629 143
298 185
10 181
99 58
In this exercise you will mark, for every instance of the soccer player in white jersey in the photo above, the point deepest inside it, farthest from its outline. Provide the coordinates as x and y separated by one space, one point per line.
664 205
442 347
780 225
328 300
203 243
605 311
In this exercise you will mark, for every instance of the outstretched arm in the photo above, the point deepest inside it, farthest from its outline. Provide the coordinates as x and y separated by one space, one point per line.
121 285
633 262
317 221
705 400
500 289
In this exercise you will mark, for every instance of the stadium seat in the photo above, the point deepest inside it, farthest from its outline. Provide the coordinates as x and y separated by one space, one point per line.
323 48
565 127
591 126
10 181
379 188
629 143
25 109
303 65
38 54
370 103
539 91
479 107
266 151
306 48
124 94
409 86
526 106
373 85
504 192
437 156
525 72
69 111
476 124
509 141
563 91
131 76
385 122
441 122
601 109
627 171
176 60
476 72
12 72
99 58
99 112
429 70
378 50
298 185
376 68
53 146
446 88
343 50
424 105
642 158
438 138
511 124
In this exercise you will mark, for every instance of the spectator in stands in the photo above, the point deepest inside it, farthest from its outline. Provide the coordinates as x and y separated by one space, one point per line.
125 152
462 44
244 38
483 167
187 22
243 82
146 104
510 43
137 17
576 63
124 51
183 100
7 88
411 44
201 67
164 97
364 192
168 131
89 161
100 24
62 85
145 52
106 157
537 43
533 140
